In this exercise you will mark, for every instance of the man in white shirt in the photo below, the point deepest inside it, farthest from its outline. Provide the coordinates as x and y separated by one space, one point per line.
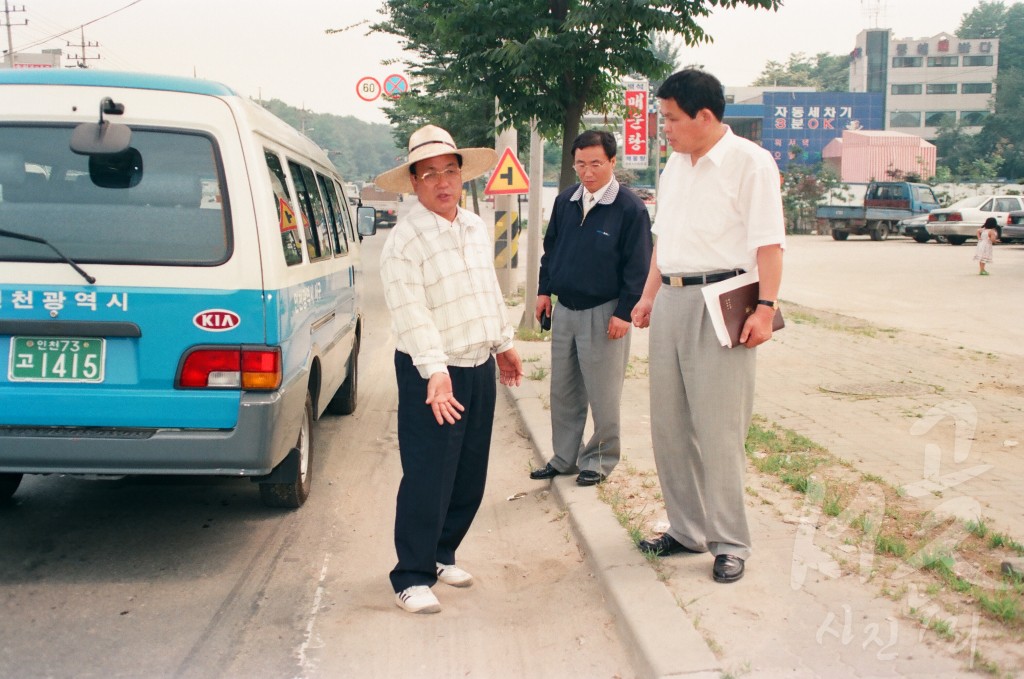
719 214
450 326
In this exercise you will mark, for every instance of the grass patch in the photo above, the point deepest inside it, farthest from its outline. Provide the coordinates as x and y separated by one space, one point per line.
531 335
539 373
899 529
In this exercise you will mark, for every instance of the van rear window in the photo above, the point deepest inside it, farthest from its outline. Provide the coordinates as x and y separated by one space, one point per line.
170 210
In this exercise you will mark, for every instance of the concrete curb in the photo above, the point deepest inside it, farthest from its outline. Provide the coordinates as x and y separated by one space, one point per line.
661 637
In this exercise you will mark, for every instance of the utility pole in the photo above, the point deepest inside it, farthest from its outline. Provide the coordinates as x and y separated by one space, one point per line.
10 40
533 240
83 59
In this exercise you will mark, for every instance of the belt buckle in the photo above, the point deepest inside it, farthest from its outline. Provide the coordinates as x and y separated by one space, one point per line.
675 281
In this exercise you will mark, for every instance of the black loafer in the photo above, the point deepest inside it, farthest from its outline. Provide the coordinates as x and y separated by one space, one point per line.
589 478
545 472
728 568
665 546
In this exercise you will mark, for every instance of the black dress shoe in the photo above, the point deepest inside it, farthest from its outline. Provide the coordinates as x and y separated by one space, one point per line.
546 472
664 546
589 478
728 568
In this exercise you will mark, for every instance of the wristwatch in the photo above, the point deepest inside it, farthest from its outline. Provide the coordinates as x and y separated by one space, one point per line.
770 303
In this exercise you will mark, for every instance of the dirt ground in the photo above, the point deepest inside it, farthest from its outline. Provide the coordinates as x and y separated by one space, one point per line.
936 424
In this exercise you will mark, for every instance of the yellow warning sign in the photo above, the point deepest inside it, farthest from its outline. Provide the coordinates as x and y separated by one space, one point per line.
287 216
508 177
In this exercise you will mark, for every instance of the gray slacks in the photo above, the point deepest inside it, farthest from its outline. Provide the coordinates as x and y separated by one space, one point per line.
587 370
702 397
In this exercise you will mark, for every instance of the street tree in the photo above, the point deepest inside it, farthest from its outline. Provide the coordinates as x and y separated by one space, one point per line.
825 72
546 59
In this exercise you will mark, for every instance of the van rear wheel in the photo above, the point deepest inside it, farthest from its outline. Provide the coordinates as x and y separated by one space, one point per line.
8 484
292 493
840 235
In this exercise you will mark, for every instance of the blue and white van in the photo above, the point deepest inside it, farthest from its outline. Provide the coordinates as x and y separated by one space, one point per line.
178 283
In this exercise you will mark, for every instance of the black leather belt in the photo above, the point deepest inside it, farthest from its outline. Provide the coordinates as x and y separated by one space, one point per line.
681 281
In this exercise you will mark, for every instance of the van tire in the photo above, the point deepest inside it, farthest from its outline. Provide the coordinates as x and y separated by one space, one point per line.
344 400
956 240
840 235
292 494
8 484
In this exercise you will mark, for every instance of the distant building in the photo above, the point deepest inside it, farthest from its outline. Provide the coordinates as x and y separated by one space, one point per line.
926 82
865 155
797 126
44 59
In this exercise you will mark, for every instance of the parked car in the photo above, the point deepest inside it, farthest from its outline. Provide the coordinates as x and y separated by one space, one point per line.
1013 232
916 227
962 219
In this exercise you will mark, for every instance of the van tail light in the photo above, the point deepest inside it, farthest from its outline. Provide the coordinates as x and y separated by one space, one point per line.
250 368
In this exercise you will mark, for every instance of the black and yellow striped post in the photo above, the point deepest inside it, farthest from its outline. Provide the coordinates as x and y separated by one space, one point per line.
506 239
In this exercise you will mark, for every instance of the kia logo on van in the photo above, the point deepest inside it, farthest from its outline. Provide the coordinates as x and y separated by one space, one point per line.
216 320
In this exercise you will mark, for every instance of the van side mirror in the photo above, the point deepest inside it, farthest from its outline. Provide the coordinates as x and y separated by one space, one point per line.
366 221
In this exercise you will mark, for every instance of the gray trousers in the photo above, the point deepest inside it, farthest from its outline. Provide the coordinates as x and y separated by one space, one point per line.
587 370
702 398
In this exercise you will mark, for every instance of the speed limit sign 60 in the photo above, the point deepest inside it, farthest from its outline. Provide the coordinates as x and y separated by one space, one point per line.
368 88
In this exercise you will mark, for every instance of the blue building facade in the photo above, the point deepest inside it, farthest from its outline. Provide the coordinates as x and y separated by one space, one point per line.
810 120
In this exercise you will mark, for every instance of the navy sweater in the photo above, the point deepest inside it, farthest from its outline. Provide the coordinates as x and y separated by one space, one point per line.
606 256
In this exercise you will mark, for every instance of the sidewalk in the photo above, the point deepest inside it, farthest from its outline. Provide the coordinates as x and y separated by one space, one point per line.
929 416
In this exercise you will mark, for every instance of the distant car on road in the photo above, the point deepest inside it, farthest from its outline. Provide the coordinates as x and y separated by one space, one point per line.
916 227
1013 232
962 219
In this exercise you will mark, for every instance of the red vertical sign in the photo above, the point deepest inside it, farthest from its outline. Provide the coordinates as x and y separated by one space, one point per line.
635 133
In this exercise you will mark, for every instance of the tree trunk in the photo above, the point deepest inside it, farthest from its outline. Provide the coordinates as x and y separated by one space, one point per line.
570 130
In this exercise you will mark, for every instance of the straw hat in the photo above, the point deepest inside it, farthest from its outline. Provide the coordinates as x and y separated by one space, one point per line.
431 141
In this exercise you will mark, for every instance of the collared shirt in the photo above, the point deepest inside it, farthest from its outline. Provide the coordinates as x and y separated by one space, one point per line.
440 286
604 195
713 216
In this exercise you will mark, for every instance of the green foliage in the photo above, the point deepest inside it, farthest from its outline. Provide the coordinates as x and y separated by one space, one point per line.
824 72
545 59
360 150
803 188
998 150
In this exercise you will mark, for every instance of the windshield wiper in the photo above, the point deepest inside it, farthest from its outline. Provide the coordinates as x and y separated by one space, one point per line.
43 241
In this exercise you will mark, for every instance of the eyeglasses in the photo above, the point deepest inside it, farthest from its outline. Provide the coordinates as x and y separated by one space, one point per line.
582 167
432 178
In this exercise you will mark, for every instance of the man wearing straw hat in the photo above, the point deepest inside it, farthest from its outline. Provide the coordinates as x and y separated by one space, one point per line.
450 326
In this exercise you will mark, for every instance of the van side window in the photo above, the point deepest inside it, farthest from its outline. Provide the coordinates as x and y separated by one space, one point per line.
336 211
350 229
285 212
318 240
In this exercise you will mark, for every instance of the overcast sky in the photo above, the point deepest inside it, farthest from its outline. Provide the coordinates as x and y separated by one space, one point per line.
279 48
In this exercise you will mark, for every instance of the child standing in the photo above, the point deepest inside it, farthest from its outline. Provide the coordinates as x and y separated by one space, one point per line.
987 235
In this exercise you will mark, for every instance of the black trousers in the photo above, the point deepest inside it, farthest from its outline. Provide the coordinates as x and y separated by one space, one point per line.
444 469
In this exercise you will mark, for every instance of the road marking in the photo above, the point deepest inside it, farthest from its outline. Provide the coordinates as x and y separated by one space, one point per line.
304 663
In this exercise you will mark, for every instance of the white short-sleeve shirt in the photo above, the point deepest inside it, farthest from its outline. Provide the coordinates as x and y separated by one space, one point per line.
714 215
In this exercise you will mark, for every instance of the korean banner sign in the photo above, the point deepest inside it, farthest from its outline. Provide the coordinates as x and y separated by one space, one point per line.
634 133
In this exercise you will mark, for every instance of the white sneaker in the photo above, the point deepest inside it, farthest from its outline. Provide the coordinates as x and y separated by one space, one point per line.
450 574
418 599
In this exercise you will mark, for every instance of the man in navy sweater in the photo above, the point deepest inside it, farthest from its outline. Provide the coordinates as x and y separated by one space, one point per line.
597 251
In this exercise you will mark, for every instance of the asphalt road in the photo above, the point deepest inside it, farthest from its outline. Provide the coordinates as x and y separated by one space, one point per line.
194 578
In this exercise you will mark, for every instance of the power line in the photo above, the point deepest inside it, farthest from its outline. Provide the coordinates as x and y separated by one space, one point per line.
55 36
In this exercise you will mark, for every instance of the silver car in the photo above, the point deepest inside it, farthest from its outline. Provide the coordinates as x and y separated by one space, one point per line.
1013 232
962 219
